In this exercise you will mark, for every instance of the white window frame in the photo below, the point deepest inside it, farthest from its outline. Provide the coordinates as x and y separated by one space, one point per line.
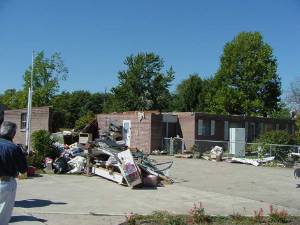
200 127
212 127
23 122
226 130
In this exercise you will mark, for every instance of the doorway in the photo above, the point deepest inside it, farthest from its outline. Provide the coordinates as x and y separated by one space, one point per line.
126 132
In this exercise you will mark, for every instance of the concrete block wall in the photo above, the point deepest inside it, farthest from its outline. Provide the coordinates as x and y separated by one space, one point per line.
187 127
140 129
41 120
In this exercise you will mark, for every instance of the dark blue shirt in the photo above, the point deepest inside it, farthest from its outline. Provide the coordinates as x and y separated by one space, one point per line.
12 159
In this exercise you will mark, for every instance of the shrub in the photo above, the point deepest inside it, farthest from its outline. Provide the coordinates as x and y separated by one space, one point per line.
274 137
297 138
42 144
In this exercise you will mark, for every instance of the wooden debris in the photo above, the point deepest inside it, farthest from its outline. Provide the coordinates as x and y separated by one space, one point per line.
186 156
108 174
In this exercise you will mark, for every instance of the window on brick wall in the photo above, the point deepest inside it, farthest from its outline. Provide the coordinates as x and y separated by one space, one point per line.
23 120
206 127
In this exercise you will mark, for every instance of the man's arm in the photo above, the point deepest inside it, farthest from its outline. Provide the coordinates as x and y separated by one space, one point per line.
20 160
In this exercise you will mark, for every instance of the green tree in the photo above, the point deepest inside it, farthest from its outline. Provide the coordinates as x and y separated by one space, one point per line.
13 99
142 86
70 106
283 112
275 137
189 95
247 81
47 73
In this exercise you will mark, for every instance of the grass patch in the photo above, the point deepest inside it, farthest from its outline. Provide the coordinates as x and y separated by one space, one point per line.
197 216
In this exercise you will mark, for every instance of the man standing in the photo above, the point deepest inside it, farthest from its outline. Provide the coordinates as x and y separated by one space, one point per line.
12 162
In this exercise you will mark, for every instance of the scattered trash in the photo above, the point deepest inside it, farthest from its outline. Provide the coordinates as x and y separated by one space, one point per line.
60 165
216 153
48 164
78 164
150 181
245 161
186 156
254 162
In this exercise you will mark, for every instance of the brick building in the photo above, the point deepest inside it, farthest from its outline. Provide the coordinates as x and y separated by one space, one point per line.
204 126
142 130
41 119
146 130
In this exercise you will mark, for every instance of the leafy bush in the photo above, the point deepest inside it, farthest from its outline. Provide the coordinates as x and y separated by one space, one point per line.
274 137
42 144
297 138
84 120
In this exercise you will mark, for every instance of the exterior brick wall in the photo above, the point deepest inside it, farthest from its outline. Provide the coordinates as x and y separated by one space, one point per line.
140 130
268 124
148 134
41 119
187 128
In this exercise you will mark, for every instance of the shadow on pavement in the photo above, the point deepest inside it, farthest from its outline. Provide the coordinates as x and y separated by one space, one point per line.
15 219
32 203
298 186
145 188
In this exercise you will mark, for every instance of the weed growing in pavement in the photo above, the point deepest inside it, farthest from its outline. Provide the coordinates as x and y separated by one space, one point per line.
259 216
198 215
278 216
131 219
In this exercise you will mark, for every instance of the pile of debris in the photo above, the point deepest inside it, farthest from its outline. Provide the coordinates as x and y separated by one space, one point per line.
115 131
216 154
111 160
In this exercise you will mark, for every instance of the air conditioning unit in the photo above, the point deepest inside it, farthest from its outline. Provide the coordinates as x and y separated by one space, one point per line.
84 138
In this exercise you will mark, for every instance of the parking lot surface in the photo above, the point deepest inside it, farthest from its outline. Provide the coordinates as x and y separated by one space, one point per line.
222 187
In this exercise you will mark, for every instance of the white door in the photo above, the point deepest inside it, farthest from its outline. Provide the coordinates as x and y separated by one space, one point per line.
126 132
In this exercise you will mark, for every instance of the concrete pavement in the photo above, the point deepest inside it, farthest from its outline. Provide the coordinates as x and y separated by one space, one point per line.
223 188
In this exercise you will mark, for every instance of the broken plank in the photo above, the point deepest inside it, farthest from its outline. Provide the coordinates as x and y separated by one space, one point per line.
114 176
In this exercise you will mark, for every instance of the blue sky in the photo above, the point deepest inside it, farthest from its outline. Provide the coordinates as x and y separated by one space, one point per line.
95 36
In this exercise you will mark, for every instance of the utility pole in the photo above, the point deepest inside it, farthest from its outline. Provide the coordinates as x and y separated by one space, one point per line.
29 108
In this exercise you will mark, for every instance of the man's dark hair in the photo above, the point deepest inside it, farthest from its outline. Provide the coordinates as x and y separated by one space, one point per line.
8 130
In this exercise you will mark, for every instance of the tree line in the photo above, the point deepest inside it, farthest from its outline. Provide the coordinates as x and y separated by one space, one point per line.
246 83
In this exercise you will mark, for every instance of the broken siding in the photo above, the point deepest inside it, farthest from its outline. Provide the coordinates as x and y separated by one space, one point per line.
41 119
